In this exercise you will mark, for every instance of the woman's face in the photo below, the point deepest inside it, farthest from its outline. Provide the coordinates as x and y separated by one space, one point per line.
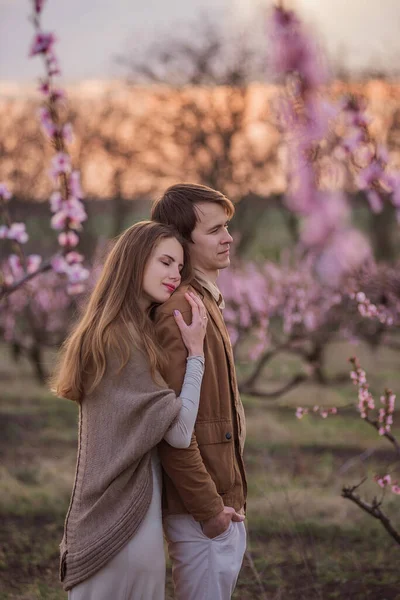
162 274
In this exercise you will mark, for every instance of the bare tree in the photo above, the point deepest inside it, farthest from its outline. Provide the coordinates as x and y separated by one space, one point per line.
210 120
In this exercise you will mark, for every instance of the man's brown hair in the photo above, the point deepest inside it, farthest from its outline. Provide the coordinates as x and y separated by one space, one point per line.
177 206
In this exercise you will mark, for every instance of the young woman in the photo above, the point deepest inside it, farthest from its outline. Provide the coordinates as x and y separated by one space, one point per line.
113 542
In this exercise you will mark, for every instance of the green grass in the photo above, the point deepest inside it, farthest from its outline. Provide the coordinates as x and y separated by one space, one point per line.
305 540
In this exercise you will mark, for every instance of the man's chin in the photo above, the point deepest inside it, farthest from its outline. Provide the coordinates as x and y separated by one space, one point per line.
225 262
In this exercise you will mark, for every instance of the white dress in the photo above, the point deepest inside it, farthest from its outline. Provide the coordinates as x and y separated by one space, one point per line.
137 572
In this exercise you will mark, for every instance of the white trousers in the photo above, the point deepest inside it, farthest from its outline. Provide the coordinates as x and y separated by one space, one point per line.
137 572
204 568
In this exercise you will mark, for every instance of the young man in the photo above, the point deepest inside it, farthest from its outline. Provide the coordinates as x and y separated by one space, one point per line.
205 484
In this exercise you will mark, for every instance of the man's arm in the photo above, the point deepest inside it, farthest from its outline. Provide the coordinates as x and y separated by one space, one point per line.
184 466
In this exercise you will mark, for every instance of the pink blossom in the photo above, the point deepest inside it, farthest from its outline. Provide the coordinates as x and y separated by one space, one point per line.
375 201
42 43
396 489
384 481
300 412
17 232
59 220
5 194
68 238
33 263
15 265
39 6
46 122
77 273
73 257
59 264
67 133
61 163
56 201
330 213
346 251
3 232
233 333
76 212
373 172
76 288
293 50
58 94
75 184
54 68
353 141
44 88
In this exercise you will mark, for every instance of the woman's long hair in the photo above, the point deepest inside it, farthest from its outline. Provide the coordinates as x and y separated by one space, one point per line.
113 320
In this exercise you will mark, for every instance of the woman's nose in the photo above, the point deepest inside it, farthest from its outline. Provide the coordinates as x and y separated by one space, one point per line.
176 274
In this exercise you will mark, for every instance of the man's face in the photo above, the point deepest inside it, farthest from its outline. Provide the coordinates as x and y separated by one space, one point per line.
211 239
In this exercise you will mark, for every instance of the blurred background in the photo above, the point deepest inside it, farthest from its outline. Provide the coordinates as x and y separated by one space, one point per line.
188 91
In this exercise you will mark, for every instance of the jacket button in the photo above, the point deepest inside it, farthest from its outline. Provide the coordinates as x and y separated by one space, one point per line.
228 436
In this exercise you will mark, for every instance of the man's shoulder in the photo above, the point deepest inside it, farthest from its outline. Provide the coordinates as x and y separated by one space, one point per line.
176 301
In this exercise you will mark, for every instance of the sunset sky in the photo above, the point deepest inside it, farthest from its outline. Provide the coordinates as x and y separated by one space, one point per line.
91 32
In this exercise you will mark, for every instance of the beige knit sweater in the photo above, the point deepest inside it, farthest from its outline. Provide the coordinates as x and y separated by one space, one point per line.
119 424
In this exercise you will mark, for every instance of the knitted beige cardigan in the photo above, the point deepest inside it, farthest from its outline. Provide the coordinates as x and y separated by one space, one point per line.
119 424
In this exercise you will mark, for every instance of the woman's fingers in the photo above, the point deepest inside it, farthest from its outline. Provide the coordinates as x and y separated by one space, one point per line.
179 319
194 305
199 313
200 305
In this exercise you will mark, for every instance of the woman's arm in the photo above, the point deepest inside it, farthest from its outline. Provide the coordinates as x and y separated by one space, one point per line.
180 433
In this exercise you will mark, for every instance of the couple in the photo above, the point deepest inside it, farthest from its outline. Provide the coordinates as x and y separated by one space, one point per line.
151 366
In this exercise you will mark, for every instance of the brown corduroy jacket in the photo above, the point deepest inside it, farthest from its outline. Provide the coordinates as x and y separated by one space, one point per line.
210 474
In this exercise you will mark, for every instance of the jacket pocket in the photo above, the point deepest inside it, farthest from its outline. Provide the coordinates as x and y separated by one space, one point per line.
216 445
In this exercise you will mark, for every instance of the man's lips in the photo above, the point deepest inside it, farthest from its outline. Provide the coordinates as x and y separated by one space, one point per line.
225 251
169 287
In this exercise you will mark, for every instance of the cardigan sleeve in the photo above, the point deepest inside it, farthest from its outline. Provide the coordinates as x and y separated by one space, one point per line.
180 433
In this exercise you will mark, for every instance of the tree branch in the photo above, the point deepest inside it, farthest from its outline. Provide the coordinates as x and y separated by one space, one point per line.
7 290
387 434
372 509
294 382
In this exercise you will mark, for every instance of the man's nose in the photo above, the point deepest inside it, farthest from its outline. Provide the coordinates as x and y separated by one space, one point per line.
228 239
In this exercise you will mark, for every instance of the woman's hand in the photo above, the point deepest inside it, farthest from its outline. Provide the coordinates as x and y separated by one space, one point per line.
193 334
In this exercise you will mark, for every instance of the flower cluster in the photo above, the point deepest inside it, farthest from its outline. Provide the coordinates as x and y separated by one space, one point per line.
322 411
293 51
370 161
385 482
16 232
367 309
286 295
385 418
45 301
66 200
71 265
365 399
366 402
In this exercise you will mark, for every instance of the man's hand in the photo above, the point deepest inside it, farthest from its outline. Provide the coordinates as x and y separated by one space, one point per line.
220 523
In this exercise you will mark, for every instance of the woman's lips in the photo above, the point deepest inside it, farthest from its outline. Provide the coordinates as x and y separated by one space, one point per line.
170 288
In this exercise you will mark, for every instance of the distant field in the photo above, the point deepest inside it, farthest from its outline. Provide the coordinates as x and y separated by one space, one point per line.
305 540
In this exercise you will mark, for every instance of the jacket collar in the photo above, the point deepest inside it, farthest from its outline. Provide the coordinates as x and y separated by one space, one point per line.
211 287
